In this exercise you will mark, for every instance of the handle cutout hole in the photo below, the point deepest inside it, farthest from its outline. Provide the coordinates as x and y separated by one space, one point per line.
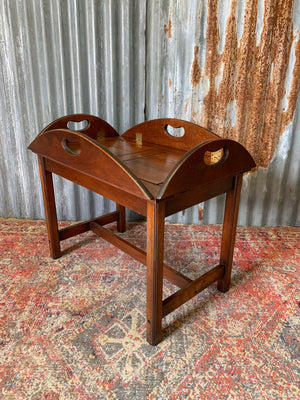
175 132
72 148
78 125
215 157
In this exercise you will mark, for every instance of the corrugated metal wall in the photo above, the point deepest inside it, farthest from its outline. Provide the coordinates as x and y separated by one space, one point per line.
232 66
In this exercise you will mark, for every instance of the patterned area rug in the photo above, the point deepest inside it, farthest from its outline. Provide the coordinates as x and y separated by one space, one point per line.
74 328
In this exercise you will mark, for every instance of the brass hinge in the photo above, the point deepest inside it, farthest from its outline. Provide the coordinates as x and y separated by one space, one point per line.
139 139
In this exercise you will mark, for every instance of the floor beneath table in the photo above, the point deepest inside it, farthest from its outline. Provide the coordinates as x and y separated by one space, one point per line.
74 328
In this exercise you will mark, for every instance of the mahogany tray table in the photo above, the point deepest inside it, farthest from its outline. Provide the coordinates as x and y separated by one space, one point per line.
156 168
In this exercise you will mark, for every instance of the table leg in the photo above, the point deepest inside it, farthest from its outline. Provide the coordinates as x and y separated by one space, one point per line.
229 230
121 221
50 210
155 258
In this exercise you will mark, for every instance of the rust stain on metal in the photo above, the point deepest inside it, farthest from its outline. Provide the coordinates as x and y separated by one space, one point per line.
258 91
292 97
168 29
283 37
170 83
246 104
196 70
211 62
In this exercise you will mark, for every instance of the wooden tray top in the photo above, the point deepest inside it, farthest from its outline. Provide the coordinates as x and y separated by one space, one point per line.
146 161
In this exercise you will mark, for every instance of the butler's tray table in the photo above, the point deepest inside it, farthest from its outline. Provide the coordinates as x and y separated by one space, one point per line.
156 168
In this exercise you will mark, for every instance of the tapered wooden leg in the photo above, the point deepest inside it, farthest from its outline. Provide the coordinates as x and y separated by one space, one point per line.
155 258
229 230
50 210
121 221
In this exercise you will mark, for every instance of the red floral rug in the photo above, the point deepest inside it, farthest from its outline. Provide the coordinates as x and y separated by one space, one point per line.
74 328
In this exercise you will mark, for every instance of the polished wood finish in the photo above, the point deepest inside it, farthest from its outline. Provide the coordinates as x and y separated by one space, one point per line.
229 230
156 168
193 134
193 288
121 221
81 227
103 188
155 261
50 209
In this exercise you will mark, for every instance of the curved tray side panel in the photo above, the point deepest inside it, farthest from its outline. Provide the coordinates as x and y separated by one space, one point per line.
163 132
83 154
96 127
192 170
